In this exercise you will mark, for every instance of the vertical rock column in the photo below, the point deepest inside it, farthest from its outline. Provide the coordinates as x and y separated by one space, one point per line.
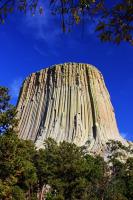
67 102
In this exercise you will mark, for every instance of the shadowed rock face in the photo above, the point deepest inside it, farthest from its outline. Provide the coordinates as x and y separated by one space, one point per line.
67 102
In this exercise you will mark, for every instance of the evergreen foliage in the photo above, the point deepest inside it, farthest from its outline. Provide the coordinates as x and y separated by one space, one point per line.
60 171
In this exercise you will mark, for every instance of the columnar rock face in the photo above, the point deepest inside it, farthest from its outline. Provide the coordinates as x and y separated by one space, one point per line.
67 102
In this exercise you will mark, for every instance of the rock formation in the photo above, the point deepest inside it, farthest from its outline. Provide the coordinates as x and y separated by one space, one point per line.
67 102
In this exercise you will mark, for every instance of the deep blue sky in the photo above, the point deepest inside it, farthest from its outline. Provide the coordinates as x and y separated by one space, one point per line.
28 44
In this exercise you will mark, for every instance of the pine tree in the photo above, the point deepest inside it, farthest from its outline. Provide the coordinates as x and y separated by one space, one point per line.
17 171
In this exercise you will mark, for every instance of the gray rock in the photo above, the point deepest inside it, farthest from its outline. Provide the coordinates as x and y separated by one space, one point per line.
67 102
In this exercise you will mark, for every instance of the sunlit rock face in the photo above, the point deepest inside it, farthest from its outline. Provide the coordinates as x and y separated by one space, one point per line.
67 102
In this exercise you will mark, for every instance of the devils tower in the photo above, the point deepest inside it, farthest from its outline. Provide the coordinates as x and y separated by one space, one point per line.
67 102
